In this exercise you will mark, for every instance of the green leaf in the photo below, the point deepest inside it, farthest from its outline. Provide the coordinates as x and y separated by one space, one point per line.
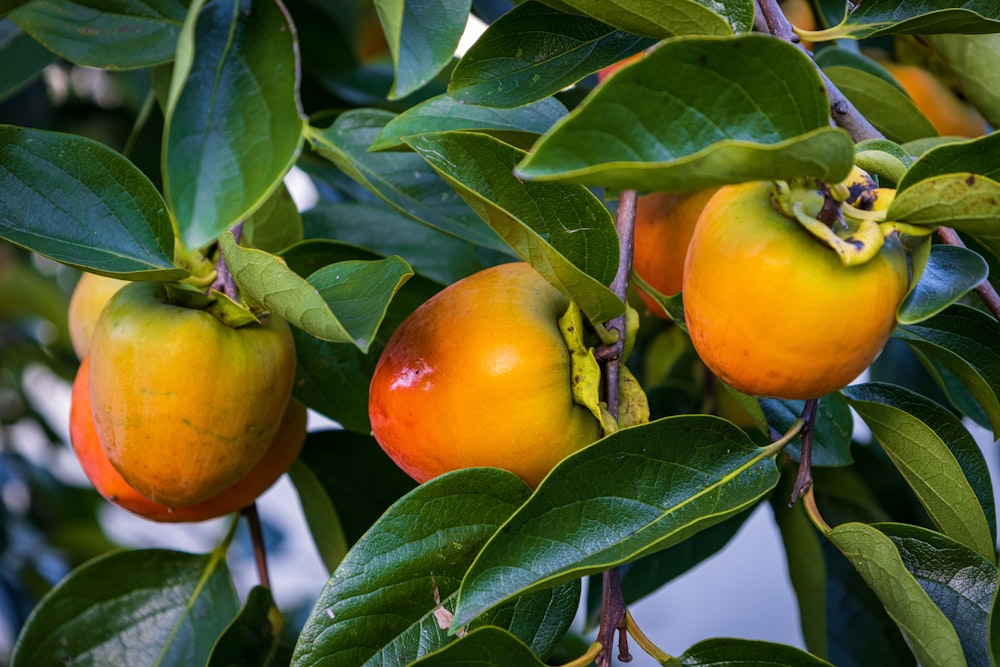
733 652
377 227
961 582
23 58
965 202
253 639
341 303
320 515
404 181
128 34
975 156
670 17
883 158
484 646
899 17
422 37
333 378
275 225
889 109
833 430
661 482
79 202
628 133
331 460
233 124
806 565
564 231
950 273
137 608
964 340
938 457
534 51
650 573
974 60
414 557
517 126
930 636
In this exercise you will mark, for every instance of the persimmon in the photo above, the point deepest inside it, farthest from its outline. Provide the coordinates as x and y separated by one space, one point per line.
664 224
950 115
479 375
184 405
280 456
85 304
801 15
774 312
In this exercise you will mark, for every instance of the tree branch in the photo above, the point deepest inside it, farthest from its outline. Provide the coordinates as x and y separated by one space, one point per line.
985 290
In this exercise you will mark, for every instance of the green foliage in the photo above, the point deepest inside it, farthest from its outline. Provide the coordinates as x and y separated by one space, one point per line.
429 165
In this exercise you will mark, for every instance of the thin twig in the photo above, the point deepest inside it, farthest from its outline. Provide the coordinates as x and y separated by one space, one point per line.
770 19
259 549
985 290
804 479
613 602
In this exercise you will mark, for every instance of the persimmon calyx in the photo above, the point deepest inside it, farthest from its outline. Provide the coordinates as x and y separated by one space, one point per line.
202 269
585 372
226 310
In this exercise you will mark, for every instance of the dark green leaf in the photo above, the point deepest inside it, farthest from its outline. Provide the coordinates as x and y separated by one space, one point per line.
975 156
81 203
938 457
128 34
136 608
889 109
341 303
564 231
964 340
320 514
404 181
847 57
517 126
974 61
950 273
422 37
384 230
414 557
747 653
484 646
534 51
630 132
670 17
648 574
253 639
23 59
832 435
233 125
275 225
961 582
899 17
883 158
806 566
333 378
661 482
930 635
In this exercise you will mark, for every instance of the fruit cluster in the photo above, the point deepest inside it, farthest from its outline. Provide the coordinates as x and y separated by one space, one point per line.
174 415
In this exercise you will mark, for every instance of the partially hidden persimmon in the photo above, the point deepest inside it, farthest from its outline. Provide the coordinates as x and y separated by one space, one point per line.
664 223
280 456
90 294
479 375
950 115
774 312
184 405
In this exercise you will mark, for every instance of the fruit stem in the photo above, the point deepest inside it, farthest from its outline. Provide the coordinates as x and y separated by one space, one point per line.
224 282
770 19
612 600
985 290
804 479
830 214
812 511
259 549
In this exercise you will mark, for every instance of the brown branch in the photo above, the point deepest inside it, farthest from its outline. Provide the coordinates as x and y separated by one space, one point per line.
804 479
613 609
223 278
770 19
985 290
